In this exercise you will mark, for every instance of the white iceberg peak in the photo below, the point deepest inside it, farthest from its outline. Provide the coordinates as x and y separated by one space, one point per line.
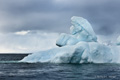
81 30
83 27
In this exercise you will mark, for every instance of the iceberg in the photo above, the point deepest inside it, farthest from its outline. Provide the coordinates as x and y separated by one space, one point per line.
83 52
118 40
81 30
80 46
66 39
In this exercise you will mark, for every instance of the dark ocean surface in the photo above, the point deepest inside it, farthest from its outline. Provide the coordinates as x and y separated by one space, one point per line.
11 69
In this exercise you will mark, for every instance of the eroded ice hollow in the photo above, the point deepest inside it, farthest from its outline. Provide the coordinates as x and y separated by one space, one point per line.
80 46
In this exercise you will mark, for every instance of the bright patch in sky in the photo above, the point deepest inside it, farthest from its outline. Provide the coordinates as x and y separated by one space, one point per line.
27 41
22 32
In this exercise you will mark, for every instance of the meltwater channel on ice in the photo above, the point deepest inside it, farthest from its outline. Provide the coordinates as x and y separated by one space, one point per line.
80 46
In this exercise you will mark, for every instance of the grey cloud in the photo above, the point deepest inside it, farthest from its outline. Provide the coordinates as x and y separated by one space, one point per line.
54 15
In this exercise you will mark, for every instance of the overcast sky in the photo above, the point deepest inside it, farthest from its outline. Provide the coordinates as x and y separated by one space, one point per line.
54 15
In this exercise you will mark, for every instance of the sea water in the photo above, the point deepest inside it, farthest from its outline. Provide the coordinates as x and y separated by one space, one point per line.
12 69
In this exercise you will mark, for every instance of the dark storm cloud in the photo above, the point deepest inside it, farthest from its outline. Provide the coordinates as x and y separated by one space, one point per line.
54 15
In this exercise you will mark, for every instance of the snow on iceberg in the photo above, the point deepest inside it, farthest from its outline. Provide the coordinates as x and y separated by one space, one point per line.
80 46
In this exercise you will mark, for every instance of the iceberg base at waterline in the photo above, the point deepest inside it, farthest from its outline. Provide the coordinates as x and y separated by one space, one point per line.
81 46
83 52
